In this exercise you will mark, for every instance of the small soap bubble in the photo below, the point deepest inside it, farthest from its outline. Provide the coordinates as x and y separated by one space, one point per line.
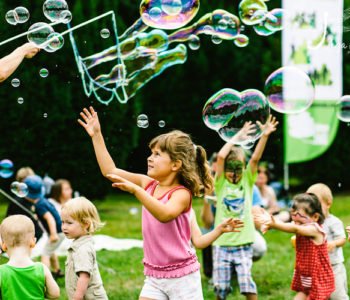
161 123
105 33
45 115
15 82
216 39
194 42
133 211
20 100
6 168
43 73
142 121
66 16
38 33
22 14
55 42
241 40
155 13
11 17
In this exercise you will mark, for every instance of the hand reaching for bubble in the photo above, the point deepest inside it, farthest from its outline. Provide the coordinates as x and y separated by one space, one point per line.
270 125
91 123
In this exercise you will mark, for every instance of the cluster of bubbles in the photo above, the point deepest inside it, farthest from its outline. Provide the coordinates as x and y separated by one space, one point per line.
43 34
144 50
20 189
6 168
143 122
343 109
237 114
17 16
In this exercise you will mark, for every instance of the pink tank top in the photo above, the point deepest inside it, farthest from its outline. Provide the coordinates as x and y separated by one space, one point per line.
167 246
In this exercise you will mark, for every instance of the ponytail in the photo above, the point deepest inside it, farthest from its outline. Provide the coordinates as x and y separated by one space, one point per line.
204 170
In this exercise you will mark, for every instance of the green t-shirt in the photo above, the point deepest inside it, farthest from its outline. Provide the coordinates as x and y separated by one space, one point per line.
22 283
235 201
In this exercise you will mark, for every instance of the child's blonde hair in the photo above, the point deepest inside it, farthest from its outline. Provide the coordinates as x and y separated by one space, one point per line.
24 172
194 173
83 211
236 153
323 192
17 230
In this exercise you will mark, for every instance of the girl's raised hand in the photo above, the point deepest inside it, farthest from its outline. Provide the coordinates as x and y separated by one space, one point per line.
90 121
231 225
263 218
123 184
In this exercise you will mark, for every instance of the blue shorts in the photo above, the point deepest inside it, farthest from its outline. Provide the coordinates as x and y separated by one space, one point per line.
227 259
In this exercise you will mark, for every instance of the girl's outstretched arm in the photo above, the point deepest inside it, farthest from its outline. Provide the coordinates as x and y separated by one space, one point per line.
91 124
164 212
268 128
201 241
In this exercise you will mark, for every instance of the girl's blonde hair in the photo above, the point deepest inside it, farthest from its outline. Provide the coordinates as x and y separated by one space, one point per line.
23 173
194 173
84 211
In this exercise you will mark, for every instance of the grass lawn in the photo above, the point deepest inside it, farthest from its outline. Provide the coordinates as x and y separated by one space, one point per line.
122 271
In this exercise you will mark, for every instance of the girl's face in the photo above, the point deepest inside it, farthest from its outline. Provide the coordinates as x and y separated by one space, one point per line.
71 228
234 170
67 192
300 217
159 164
262 177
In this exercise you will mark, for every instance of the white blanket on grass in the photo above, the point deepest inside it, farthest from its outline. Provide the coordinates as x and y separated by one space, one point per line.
102 242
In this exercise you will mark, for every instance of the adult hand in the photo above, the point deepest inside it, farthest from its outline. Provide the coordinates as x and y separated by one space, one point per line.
91 123
29 50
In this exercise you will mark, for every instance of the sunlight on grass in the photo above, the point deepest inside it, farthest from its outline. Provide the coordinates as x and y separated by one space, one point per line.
122 271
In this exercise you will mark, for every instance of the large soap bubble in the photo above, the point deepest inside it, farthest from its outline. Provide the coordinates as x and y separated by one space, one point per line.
254 110
39 33
168 14
53 8
22 14
343 109
218 109
20 189
289 90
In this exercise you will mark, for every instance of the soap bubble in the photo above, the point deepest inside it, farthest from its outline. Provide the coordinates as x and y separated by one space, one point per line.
39 33
171 7
343 108
194 42
65 16
11 17
15 82
241 40
252 12
55 42
22 14
6 168
161 123
20 189
20 100
43 73
105 33
53 8
142 121
289 90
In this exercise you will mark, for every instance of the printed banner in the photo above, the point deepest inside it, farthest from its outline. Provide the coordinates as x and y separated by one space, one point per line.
312 42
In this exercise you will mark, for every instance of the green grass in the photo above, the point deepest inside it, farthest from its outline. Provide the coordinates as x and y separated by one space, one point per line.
122 271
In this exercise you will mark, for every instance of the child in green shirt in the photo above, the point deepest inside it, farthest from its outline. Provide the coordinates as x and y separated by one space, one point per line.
21 278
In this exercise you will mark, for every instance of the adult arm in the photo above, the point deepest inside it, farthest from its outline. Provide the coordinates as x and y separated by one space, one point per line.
10 63
51 223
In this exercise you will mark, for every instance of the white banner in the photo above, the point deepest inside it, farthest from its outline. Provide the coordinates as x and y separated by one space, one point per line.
312 41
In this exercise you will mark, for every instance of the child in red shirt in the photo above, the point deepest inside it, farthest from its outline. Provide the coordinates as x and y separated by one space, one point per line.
313 276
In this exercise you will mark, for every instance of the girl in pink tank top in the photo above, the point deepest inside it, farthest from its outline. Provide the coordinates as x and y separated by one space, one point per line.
313 275
177 169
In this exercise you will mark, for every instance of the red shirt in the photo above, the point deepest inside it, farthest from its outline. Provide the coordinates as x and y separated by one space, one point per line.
313 274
